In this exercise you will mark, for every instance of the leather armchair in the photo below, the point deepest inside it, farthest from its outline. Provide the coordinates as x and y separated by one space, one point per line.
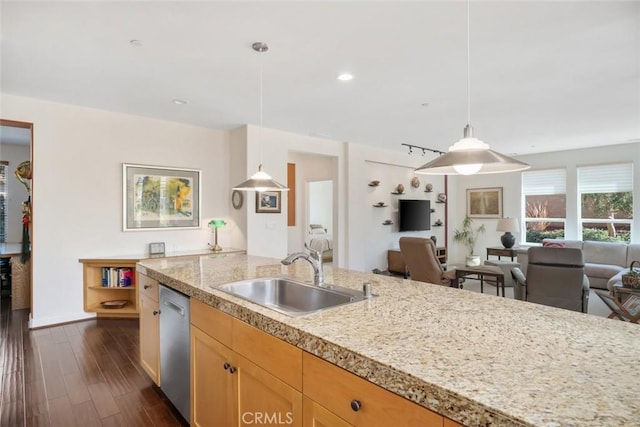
555 277
420 257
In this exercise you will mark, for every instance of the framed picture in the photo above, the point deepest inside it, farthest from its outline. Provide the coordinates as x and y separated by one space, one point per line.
268 201
160 198
484 202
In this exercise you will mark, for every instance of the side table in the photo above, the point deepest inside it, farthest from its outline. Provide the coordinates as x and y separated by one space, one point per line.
481 271
619 309
500 251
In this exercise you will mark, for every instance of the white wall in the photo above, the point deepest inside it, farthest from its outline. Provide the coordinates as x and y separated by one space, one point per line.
236 228
16 191
512 182
368 239
77 191
320 197
267 234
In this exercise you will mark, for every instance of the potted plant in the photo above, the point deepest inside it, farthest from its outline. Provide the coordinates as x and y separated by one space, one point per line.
468 236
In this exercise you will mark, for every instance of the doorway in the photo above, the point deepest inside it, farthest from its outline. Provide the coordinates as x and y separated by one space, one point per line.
320 217
16 207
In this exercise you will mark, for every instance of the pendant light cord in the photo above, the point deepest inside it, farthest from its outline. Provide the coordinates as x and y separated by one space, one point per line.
468 67
260 132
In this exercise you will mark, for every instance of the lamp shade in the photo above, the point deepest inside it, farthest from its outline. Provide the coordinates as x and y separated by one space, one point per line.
217 223
508 225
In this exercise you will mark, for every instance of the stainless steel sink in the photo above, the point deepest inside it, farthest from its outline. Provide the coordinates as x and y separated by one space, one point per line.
291 297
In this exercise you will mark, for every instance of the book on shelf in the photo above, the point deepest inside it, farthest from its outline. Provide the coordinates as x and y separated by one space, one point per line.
117 277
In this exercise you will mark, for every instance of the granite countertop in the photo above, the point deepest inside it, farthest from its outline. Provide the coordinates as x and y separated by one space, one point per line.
476 358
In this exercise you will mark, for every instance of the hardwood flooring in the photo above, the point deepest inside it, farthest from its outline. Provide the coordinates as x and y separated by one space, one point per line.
80 374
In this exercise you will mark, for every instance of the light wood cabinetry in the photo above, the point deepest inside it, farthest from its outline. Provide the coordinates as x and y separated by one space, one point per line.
451 423
319 416
357 401
95 292
240 375
149 326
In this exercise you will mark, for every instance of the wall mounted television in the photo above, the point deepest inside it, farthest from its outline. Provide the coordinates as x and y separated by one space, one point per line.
414 215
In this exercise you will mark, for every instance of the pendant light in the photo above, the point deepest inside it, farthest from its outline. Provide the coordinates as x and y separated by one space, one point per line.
469 155
260 181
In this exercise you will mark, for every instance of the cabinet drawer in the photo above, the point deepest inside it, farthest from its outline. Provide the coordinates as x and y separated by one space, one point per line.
336 389
278 357
213 322
148 287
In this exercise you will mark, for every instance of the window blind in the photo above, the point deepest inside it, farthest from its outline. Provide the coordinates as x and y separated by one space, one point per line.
616 178
550 181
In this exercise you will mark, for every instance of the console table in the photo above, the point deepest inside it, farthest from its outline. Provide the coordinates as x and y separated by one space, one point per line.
500 251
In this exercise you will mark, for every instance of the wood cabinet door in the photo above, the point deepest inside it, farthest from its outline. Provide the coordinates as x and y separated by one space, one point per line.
214 384
150 338
264 399
358 401
319 416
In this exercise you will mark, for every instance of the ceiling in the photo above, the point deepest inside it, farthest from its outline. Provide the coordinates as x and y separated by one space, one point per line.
544 76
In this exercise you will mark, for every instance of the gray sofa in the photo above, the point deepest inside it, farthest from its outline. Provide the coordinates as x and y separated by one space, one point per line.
603 260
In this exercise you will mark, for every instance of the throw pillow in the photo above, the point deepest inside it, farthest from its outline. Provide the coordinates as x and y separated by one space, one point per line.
553 244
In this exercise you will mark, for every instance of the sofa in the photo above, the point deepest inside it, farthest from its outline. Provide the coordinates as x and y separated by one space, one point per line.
603 260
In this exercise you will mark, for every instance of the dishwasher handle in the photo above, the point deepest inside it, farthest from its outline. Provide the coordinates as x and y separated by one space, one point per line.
174 306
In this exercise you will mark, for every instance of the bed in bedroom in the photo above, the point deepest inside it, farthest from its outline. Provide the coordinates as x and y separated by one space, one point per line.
319 240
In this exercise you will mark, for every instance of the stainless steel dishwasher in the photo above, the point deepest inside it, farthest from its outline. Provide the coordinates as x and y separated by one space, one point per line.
174 348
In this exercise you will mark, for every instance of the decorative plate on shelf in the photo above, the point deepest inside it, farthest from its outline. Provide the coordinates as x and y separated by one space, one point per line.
114 303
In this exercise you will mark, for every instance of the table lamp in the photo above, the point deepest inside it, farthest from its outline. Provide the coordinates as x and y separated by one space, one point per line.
508 225
215 224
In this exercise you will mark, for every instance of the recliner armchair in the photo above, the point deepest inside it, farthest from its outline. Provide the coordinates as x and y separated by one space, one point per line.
555 277
424 266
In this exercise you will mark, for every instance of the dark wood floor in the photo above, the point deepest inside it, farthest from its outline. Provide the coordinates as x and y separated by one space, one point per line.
80 374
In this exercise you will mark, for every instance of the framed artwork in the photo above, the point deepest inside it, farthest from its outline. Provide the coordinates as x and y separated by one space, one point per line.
484 202
268 201
160 198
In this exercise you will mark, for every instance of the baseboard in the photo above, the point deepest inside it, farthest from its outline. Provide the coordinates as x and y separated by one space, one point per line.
57 320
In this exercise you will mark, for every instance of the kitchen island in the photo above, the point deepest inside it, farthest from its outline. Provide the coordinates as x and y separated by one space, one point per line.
477 359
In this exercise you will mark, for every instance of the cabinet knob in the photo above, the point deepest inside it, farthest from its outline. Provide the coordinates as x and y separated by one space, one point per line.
233 369
226 365
156 312
356 405
146 286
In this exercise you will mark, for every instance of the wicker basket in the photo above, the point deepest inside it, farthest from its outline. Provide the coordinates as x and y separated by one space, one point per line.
632 279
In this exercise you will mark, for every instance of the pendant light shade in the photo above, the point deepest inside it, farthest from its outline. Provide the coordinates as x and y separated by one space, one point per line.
469 155
260 181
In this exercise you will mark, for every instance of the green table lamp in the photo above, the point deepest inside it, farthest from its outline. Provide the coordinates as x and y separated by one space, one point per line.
215 224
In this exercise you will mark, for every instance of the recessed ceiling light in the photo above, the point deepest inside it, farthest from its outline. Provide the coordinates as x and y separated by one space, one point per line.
345 77
136 43
179 101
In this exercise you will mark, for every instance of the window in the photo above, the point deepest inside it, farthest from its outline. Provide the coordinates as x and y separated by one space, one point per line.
606 202
3 201
545 204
